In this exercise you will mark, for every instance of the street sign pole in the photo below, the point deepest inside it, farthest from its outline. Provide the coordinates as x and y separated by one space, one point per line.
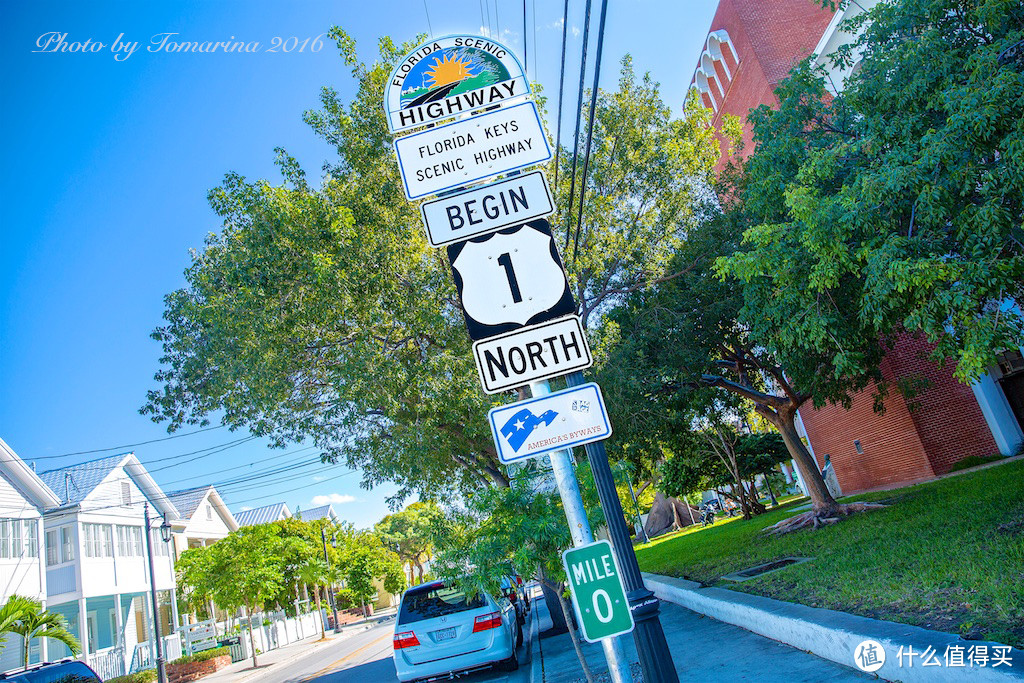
655 657
579 527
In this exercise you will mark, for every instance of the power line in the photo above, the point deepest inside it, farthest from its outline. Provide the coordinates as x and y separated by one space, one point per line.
497 21
481 15
129 445
526 49
427 12
88 464
561 87
576 134
590 124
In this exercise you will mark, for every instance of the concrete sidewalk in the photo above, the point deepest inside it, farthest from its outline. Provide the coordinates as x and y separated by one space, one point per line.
276 659
702 649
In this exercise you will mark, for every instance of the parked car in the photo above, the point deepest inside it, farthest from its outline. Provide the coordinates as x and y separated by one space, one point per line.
441 631
512 588
66 671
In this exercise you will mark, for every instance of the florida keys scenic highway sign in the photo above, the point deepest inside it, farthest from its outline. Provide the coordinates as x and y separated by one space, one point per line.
451 76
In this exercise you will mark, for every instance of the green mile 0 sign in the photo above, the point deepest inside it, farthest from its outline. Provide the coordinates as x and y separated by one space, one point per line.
597 591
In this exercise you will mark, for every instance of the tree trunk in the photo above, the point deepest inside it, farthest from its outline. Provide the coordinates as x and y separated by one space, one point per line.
419 570
558 623
744 506
252 641
26 644
755 500
771 494
564 604
822 501
323 618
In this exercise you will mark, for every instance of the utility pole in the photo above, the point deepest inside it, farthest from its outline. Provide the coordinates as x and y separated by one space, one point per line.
330 587
579 528
655 657
161 672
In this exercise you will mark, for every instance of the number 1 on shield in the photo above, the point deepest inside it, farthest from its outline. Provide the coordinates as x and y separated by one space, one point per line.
505 261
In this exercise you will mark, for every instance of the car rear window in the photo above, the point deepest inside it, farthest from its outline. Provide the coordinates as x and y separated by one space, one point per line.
436 601
64 672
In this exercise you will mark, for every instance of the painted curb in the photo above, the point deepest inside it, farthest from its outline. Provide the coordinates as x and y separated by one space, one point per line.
536 663
832 635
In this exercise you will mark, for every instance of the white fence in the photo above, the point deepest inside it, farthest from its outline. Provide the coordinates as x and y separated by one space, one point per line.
273 630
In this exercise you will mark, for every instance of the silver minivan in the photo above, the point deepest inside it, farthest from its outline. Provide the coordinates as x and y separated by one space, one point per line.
441 631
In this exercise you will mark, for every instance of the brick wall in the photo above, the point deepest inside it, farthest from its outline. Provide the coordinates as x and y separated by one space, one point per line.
948 418
770 37
908 443
893 451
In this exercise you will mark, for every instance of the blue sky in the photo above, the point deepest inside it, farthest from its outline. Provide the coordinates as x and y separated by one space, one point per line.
107 165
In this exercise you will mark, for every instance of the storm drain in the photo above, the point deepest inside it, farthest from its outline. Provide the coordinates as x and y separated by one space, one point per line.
762 569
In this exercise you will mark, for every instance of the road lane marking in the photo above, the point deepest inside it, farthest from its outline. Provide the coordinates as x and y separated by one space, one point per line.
334 665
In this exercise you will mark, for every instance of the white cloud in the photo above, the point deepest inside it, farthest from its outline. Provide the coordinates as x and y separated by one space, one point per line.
576 31
318 477
245 508
335 498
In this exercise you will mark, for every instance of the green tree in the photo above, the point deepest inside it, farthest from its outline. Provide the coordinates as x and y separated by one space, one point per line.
241 570
898 203
322 314
363 559
313 572
499 529
28 619
669 343
409 533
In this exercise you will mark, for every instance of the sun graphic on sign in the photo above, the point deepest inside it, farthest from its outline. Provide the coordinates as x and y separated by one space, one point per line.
449 70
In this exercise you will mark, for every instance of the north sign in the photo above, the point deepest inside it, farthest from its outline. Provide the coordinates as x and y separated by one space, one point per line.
471 150
449 77
554 422
597 591
486 208
509 279
531 354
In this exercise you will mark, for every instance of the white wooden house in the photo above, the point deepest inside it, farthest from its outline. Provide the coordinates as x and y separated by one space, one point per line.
23 497
97 567
205 519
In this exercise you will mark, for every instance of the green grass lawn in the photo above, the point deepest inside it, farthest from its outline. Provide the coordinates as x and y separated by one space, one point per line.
947 555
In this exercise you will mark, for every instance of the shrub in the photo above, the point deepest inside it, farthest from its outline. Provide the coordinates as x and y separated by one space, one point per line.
973 461
204 655
144 676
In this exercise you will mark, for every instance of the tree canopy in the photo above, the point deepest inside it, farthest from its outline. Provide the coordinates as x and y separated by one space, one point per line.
320 313
898 202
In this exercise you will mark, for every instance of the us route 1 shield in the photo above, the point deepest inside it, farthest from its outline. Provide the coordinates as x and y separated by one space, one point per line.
451 76
533 353
554 422
509 279
471 150
486 208
597 591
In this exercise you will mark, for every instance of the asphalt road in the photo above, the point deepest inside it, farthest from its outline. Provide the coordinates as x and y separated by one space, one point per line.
366 658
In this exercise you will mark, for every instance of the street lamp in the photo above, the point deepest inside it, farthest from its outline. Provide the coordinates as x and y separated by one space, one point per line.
330 587
165 535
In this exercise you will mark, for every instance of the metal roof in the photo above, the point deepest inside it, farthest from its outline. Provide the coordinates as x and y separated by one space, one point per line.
187 500
263 515
322 512
82 479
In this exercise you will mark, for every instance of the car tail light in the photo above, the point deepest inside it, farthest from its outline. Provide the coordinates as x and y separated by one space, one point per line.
407 639
487 621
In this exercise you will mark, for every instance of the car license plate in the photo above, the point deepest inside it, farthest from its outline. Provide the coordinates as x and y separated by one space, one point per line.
444 634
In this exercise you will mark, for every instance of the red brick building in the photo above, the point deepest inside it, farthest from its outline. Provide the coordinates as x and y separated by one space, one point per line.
750 48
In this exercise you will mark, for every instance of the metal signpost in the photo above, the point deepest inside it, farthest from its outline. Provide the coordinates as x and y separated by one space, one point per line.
466 95
597 591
